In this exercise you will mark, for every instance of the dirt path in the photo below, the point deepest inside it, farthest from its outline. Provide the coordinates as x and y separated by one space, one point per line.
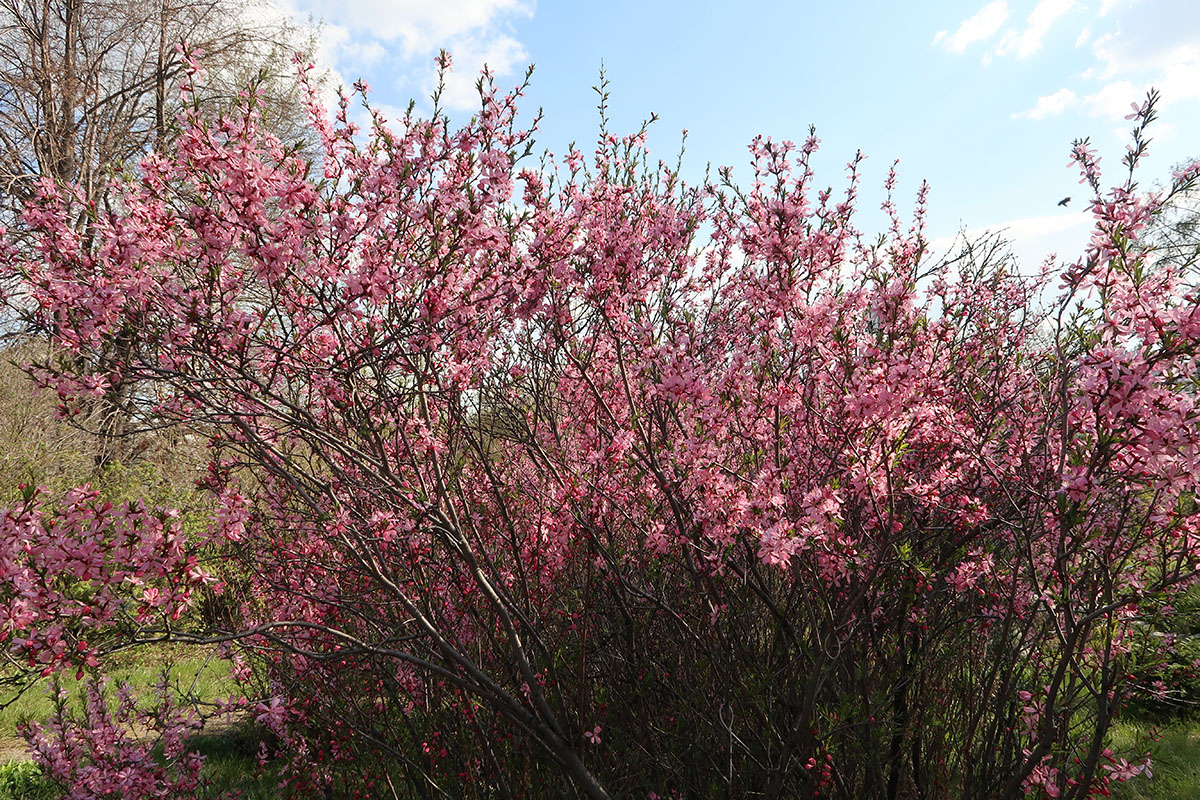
12 748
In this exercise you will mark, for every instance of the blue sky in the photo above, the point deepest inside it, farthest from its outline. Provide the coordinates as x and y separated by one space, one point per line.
979 97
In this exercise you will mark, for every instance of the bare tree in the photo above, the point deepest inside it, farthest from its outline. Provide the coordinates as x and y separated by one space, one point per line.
1175 234
88 86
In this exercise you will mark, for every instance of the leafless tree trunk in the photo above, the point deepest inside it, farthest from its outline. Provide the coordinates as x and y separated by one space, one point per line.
89 86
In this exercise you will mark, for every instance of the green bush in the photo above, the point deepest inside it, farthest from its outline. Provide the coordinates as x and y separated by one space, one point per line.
23 780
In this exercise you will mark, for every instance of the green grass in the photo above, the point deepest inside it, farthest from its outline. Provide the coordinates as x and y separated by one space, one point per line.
230 749
230 766
1175 756
22 780
191 671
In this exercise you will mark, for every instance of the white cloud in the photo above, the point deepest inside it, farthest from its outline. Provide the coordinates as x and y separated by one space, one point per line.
418 26
368 53
1163 131
979 27
1177 82
1049 104
503 55
1154 35
402 36
1180 81
1153 43
1140 44
1025 43
1113 100
1034 238
333 39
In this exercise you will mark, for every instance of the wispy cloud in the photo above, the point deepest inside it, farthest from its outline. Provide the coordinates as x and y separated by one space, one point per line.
404 35
1113 100
1155 35
982 25
1050 104
1032 238
1137 44
1027 41
1176 83
1158 46
502 54
418 26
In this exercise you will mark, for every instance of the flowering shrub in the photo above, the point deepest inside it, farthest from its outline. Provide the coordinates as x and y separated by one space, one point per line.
108 753
587 479
77 577
72 574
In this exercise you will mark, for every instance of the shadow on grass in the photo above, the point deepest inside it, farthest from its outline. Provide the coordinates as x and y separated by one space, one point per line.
231 763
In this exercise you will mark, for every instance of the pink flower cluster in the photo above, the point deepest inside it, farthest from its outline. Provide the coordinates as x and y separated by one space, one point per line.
72 573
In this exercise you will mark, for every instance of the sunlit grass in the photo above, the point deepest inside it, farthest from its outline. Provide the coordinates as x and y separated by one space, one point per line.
192 673
1175 753
22 780
230 766
230 749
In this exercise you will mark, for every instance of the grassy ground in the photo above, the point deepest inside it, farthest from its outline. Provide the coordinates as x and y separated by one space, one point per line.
1175 756
229 748
194 672
229 766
